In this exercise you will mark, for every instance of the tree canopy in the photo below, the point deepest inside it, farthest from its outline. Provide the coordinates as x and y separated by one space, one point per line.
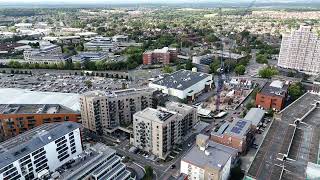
268 72
295 90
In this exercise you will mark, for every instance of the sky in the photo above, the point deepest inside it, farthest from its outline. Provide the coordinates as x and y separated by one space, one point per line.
145 1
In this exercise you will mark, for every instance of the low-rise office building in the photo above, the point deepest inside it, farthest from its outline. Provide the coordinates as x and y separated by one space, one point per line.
156 131
106 111
40 151
160 56
100 43
46 54
64 39
237 135
272 96
89 56
208 160
18 118
184 84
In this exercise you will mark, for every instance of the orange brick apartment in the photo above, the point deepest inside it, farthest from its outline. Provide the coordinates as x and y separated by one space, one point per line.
272 96
160 56
18 118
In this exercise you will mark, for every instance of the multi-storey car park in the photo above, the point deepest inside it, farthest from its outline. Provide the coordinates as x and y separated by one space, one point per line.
291 146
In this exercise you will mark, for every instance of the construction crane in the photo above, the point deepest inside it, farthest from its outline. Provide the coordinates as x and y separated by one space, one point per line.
222 71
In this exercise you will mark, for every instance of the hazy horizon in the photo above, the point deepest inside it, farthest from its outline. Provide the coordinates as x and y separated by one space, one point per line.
151 1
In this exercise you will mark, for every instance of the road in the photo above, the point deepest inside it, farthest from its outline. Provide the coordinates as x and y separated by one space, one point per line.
162 170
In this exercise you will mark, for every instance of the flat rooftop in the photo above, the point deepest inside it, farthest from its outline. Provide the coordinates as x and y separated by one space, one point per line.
216 158
275 88
88 160
23 96
27 142
125 92
159 115
285 138
179 105
238 128
35 109
255 115
181 79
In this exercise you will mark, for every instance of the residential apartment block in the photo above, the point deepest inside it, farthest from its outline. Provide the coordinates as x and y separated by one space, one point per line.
300 50
159 130
18 118
160 56
156 131
104 112
189 114
40 151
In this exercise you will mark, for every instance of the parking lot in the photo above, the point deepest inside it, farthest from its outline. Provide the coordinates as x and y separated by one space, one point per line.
65 83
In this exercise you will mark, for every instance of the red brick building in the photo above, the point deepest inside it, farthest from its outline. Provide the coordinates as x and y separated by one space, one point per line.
18 118
160 56
272 96
236 135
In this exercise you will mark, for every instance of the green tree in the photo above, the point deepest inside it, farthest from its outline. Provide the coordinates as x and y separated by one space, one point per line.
77 65
240 69
189 65
100 65
88 83
262 59
268 72
167 69
149 173
14 64
214 67
295 90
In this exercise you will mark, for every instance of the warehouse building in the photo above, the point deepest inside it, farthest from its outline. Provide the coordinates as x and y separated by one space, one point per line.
291 143
184 84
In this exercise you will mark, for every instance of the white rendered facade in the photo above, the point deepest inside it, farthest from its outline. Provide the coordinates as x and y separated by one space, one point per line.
203 173
43 153
191 91
300 50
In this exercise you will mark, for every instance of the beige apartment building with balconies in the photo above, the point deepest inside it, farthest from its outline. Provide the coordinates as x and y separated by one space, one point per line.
104 112
158 130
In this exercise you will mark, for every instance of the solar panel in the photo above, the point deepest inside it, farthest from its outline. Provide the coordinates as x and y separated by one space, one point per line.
236 130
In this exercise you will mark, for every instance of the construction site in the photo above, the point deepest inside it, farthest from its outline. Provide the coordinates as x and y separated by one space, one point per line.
232 94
